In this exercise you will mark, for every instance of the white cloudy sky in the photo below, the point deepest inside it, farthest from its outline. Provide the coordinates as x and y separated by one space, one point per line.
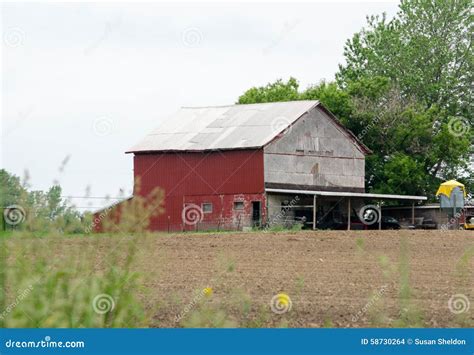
87 81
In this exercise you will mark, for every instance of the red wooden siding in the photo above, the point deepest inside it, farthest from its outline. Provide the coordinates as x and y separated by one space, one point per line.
223 215
215 177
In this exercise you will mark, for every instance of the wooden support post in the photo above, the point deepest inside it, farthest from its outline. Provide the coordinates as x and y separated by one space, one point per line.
314 212
380 217
348 213
413 213
456 226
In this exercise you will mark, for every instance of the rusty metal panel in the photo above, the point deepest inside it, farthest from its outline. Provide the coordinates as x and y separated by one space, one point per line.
201 173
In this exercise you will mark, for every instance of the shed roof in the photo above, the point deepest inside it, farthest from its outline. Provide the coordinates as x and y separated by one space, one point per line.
228 127
349 194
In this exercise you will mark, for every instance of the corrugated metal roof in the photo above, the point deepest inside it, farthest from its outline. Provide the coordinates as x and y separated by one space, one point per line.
223 127
349 194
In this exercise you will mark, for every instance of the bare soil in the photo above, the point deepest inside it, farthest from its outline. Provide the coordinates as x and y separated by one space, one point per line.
336 279
333 278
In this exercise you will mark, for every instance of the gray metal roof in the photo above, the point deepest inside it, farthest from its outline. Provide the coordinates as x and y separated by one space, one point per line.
223 127
349 194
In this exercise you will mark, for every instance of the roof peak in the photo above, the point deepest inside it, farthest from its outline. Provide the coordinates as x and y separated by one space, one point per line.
238 126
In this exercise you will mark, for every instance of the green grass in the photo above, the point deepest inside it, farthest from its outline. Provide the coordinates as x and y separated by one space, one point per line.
44 288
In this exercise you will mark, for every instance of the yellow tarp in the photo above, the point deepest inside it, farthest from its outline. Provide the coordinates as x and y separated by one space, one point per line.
447 187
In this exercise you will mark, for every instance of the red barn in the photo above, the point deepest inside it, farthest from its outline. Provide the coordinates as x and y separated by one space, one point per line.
231 167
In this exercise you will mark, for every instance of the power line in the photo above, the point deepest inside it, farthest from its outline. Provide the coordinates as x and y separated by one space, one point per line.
91 207
97 197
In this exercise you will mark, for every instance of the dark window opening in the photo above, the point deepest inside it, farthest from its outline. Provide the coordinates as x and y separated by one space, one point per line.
238 205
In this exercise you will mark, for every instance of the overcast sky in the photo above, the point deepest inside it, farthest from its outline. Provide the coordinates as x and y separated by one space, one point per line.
85 82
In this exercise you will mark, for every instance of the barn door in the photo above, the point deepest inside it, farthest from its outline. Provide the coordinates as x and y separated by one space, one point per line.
256 213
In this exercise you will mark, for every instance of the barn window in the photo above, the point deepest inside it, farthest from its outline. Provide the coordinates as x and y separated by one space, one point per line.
206 207
238 205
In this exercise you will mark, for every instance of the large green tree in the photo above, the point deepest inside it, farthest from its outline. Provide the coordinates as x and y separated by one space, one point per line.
425 50
411 81
406 92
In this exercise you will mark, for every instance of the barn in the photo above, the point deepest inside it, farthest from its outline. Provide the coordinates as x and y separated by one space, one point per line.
243 166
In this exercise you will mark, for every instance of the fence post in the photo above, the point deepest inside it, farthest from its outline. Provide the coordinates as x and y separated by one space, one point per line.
314 212
4 224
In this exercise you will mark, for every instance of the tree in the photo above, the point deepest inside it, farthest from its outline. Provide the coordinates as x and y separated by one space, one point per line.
272 92
54 203
11 190
336 100
12 199
332 97
426 51
38 210
412 76
406 92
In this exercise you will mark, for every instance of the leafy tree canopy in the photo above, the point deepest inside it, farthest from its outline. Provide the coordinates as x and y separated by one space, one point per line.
426 51
41 211
11 189
272 92
406 92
